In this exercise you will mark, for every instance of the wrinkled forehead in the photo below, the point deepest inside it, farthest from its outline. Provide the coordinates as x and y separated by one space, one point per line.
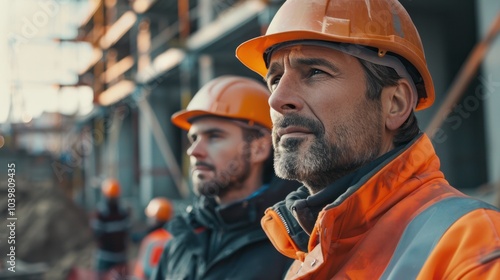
304 56
305 51
302 46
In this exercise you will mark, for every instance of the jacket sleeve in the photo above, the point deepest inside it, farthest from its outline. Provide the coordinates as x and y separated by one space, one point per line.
490 270
470 249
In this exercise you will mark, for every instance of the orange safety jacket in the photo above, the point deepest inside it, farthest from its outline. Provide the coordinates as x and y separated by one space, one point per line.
150 252
401 221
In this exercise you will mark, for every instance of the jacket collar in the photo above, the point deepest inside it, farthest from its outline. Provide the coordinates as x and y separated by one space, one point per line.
306 210
246 212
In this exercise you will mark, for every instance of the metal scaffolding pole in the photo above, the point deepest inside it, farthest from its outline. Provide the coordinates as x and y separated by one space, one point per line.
164 146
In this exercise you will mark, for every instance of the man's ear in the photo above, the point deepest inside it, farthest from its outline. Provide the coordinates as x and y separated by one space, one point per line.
397 103
261 148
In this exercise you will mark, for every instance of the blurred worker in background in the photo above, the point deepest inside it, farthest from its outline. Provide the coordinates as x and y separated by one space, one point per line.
111 225
231 156
345 80
159 211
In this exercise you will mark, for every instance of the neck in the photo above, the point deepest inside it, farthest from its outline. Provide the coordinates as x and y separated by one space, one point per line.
246 188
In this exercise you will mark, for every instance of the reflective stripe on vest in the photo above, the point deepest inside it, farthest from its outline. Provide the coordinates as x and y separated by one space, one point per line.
111 226
423 233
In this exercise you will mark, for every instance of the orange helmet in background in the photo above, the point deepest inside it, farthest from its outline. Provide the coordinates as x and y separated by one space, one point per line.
160 209
381 24
231 97
111 188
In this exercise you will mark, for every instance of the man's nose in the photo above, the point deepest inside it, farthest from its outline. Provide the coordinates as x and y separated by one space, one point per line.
286 95
197 149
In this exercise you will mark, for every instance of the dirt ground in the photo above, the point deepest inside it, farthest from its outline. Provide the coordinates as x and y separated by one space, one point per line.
50 229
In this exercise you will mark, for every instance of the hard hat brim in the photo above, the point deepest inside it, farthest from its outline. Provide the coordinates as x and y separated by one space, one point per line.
181 118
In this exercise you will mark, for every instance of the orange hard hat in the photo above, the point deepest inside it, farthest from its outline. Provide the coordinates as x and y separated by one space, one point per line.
381 24
160 209
111 188
231 97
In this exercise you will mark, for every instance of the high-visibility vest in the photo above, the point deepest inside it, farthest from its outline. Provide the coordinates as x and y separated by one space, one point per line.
150 252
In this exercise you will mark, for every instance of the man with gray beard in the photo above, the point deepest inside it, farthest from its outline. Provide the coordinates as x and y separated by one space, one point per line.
231 157
345 79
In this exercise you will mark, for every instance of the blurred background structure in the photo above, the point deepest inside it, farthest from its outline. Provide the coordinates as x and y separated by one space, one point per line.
87 88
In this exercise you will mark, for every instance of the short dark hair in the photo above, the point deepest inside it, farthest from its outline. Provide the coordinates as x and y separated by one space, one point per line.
253 133
377 77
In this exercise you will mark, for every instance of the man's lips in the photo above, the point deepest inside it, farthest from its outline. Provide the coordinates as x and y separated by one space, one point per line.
292 131
201 166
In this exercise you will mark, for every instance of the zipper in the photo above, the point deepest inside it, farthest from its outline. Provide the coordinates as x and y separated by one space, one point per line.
282 218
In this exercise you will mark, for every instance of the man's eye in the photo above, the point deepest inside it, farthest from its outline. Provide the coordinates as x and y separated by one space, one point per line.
315 71
273 83
214 136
